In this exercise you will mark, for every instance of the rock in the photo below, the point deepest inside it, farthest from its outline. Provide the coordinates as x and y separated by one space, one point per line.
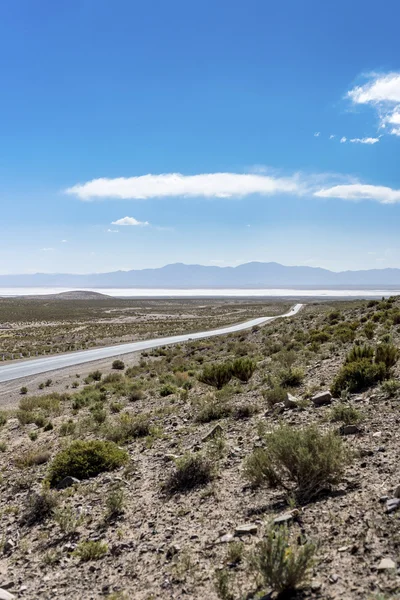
286 517
67 482
322 398
392 504
316 585
215 431
4 595
397 492
225 539
349 429
278 408
386 563
333 578
9 546
246 529
291 401
172 551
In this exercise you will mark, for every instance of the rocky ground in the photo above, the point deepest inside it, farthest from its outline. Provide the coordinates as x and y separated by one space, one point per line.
196 544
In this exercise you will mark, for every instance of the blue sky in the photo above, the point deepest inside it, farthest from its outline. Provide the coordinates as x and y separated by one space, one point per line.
103 102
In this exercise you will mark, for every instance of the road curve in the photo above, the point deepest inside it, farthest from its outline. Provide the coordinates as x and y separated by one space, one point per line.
36 366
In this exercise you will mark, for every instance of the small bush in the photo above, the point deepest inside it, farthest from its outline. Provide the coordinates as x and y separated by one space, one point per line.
390 387
115 504
86 551
167 390
217 375
301 461
127 427
292 377
359 353
282 566
135 394
118 364
369 330
85 459
244 411
357 376
345 413
112 378
93 376
23 390
32 458
387 354
275 395
40 507
3 418
67 428
243 368
191 471
212 409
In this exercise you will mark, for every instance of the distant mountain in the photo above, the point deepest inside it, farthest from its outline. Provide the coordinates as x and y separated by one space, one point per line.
249 275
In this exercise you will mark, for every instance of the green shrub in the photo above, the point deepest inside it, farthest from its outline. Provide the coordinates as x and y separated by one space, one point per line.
301 461
391 387
167 390
217 375
387 354
369 330
127 427
212 409
3 418
345 413
23 390
243 368
282 566
291 377
191 471
85 459
135 394
357 376
86 551
275 395
67 428
118 364
94 376
359 353
115 504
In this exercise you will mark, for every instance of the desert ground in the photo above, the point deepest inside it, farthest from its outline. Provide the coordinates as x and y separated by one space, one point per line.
260 464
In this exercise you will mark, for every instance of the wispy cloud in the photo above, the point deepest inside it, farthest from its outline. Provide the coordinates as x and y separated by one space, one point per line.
381 91
112 231
332 136
46 249
208 185
343 140
130 221
365 140
360 191
317 134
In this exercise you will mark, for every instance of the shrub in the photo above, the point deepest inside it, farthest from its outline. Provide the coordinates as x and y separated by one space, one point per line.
345 413
3 418
67 428
32 458
50 404
291 377
275 395
244 411
217 375
167 390
391 387
118 364
115 504
302 461
127 427
359 353
40 507
135 394
86 551
112 378
191 471
93 376
357 376
23 390
85 459
243 368
369 330
283 566
387 354
212 409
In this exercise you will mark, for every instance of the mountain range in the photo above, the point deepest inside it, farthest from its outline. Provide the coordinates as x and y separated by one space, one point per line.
178 275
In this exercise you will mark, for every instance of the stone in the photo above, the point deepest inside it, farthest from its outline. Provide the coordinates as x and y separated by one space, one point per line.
215 431
322 398
386 563
278 408
9 546
397 492
172 551
4 595
286 517
349 429
392 504
67 482
225 539
246 529
291 401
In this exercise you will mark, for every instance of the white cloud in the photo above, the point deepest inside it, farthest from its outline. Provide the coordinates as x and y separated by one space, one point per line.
383 93
208 185
112 231
343 140
130 221
317 134
332 136
366 140
46 249
360 191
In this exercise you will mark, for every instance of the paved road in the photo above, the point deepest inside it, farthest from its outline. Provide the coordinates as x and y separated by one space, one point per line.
51 363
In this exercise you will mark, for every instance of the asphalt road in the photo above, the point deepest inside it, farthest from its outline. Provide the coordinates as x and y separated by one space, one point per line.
37 366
